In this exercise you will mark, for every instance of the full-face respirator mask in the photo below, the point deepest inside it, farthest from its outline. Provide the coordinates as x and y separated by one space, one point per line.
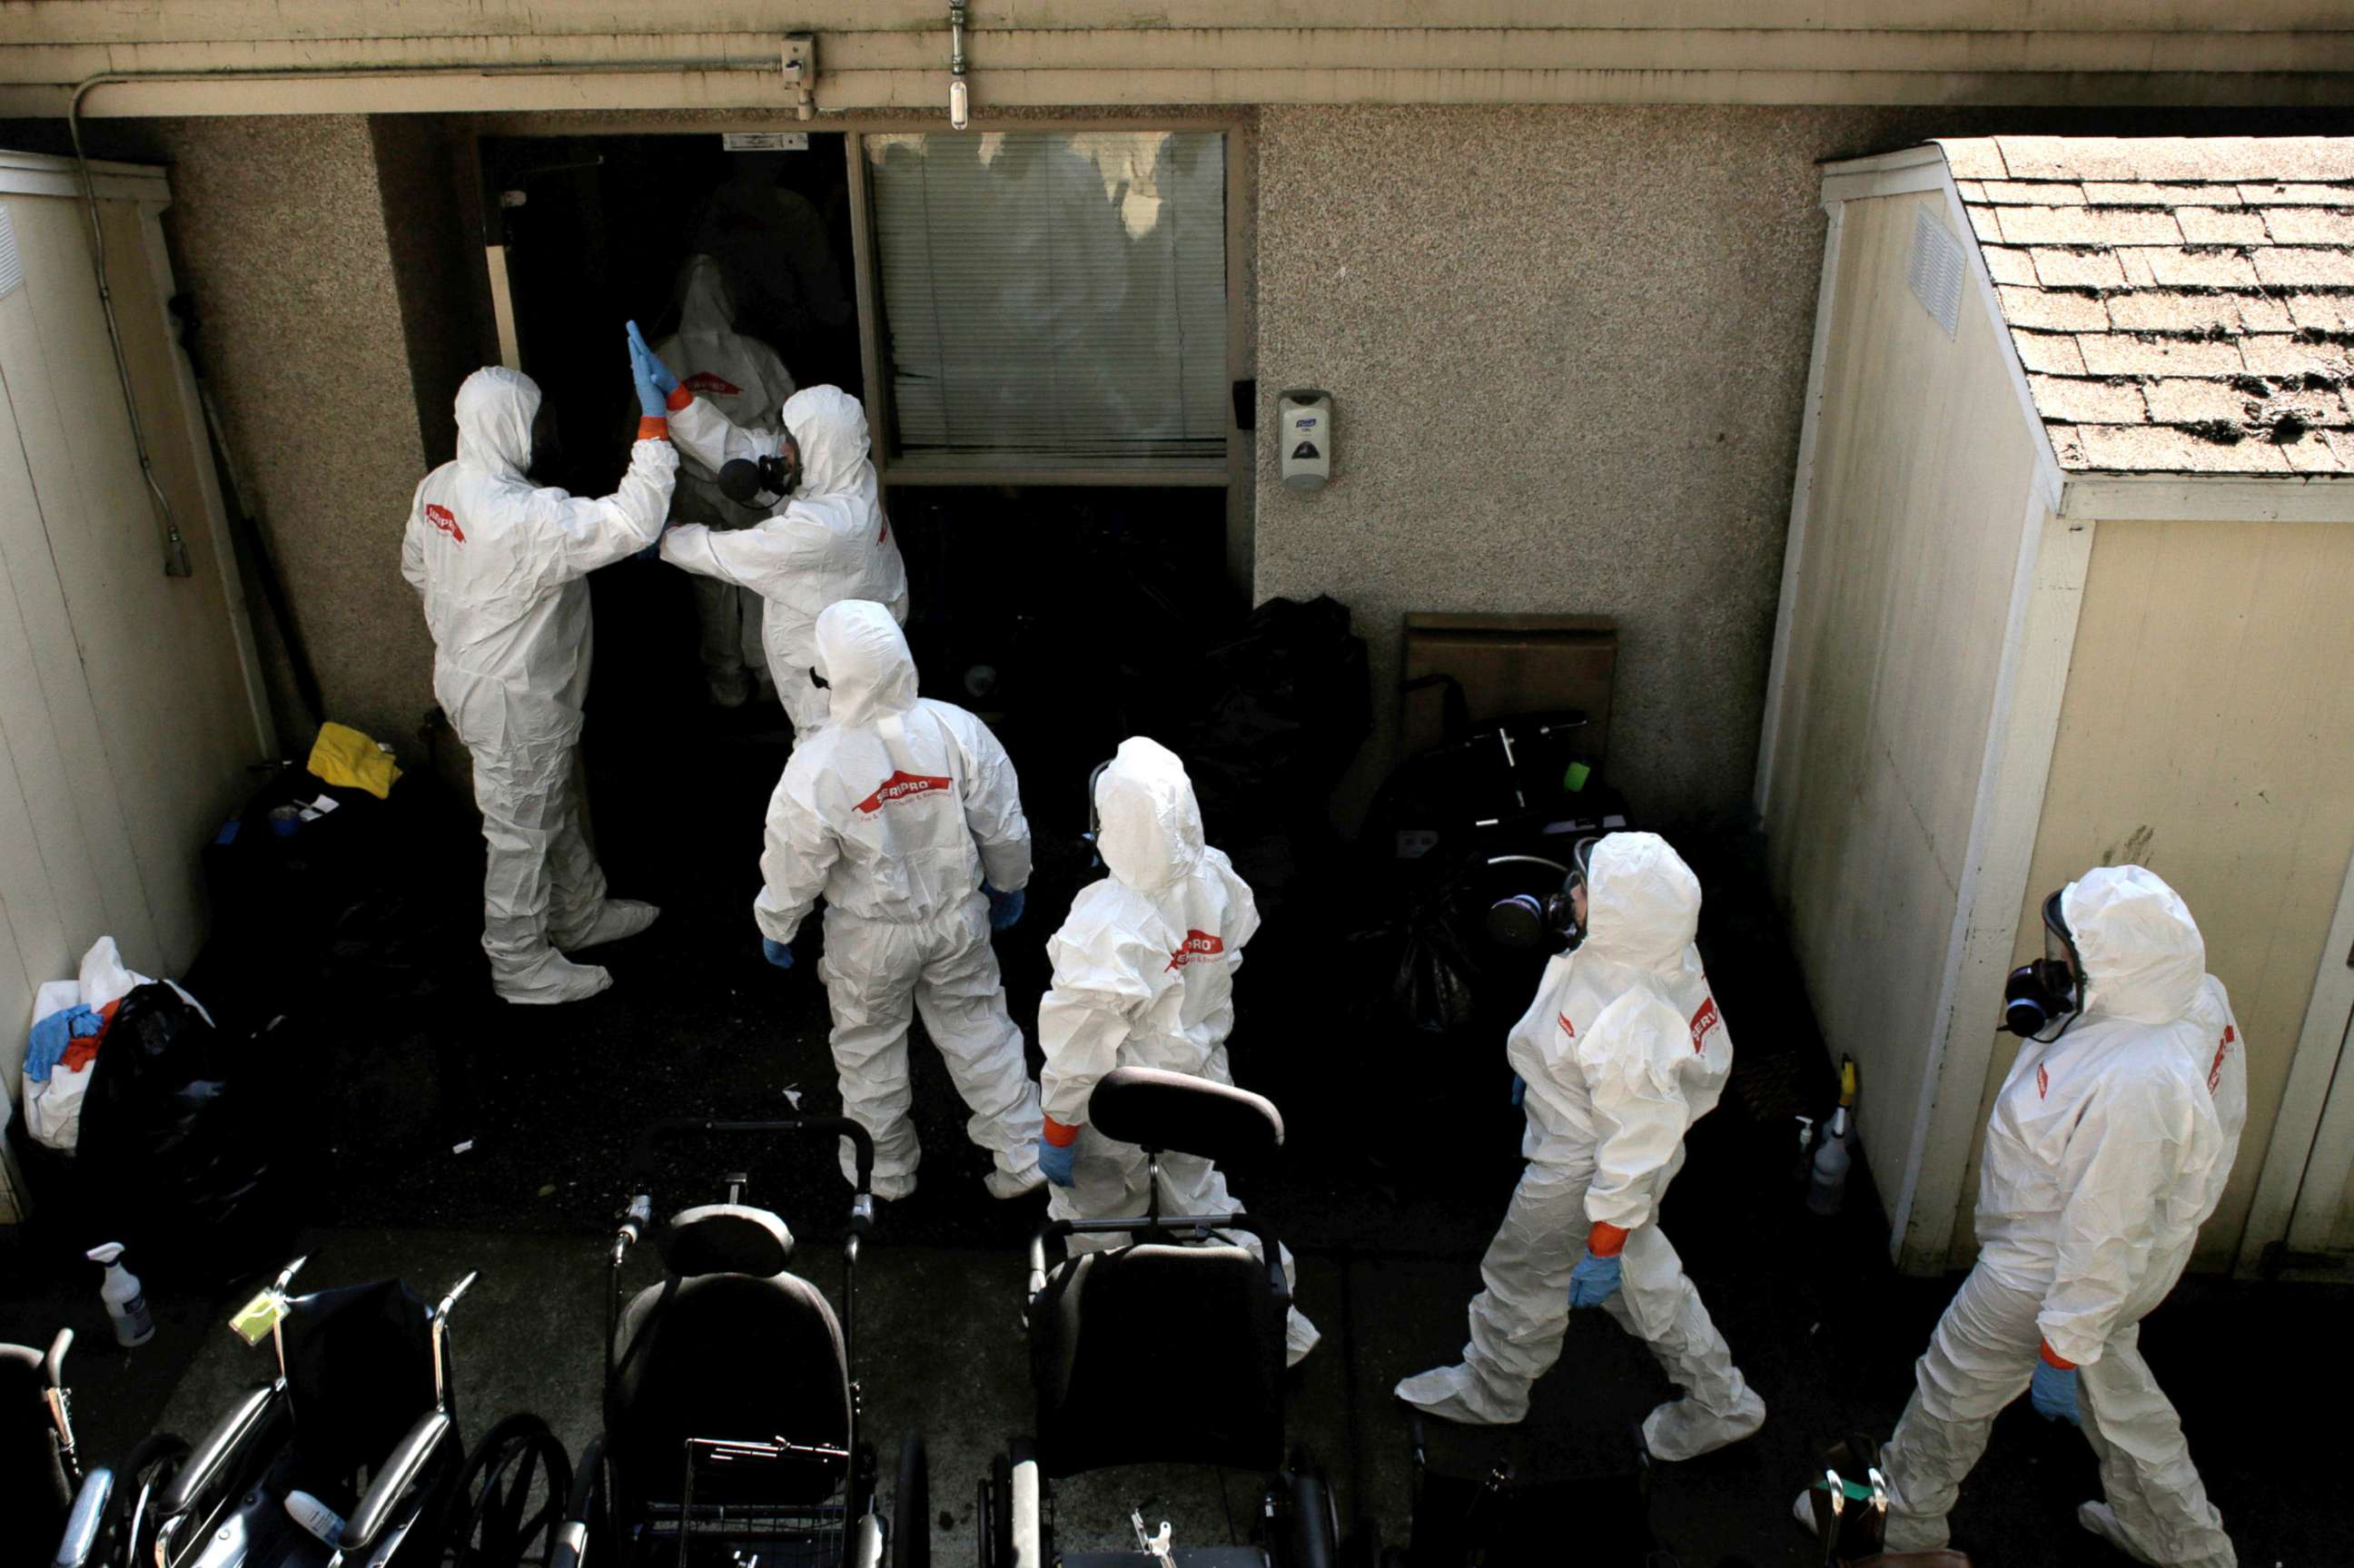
2047 994
1528 920
760 483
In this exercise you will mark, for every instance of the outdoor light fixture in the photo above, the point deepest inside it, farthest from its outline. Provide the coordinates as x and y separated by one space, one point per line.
959 115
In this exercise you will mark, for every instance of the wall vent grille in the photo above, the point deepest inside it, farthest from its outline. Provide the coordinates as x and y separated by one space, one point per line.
12 265
1935 273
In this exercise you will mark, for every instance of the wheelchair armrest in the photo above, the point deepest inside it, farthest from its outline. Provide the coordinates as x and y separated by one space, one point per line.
397 1474
211 1458
88 1517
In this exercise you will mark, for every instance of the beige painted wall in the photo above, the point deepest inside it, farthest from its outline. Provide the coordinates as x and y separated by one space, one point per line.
1923 467
2208 733
1567 349
125 724
280 228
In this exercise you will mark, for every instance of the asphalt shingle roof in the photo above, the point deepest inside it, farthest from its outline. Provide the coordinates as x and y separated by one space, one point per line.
2181 305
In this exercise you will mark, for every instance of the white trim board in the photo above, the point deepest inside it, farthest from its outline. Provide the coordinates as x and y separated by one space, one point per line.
43 175
2208 498
1802 502
2304 1098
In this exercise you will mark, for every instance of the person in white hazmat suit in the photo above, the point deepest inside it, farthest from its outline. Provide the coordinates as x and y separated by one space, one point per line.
1621 1052
744 381
825 539
905 813
1144 977
2108 1147
502 566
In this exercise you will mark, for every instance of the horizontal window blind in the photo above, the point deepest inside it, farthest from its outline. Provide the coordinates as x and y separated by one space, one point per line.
1054 299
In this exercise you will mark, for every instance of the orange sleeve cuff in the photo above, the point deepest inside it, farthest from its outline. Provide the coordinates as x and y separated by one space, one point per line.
2053 1358
1605 1241
679 398
1058 1134
653 428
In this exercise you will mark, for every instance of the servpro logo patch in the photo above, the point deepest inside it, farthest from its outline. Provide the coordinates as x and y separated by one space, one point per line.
1703 1022
1198 945
1567 1028
2223 1047
709 385
2043 1081
442 518
901 787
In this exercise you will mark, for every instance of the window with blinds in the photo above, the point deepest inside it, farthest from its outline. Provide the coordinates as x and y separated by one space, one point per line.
1054 299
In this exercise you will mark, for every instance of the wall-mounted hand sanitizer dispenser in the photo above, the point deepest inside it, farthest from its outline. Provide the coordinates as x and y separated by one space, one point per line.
1304 436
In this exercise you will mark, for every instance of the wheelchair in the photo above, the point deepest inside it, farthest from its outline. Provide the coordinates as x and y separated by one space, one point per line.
1096 1320
364 1389
731 1395
48 1504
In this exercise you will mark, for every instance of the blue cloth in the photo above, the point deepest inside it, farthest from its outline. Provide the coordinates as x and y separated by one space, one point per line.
1520 1090
654 381
2052 1392
1056 1161
1594 1281
777 952
52 1035
1004 909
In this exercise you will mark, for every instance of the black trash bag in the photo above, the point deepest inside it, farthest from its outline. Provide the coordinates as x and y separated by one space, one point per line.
1288 704
181 1142
1432 985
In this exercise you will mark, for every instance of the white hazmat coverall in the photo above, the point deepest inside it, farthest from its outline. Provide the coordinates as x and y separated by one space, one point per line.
1622 1051
827 542
895 812
2107 1150
1144 977
743 379
502 566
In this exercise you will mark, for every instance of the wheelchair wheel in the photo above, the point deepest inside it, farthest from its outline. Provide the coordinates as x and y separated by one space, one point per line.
147 1475
490 1521
911 1506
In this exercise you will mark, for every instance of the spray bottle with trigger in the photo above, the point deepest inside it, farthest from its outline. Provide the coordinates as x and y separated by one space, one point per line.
1829 1188
126 1304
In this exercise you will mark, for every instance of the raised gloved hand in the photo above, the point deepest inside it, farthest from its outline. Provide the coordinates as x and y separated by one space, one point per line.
654 381
50 1036
1520 1091
1004 909
2053 1389
775 952
1058 1152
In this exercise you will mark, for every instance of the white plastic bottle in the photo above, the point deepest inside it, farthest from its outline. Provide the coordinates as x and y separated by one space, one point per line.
126 1304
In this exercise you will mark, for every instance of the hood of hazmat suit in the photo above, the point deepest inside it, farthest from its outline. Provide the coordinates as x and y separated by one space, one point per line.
826 542
898 810
1623 1048
740 376
2109 1147
500 561
1144 966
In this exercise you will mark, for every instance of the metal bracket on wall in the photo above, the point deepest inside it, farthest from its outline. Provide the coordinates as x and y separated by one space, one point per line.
799 61
959 96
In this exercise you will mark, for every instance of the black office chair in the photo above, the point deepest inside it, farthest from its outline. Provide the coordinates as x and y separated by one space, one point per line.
1180 1283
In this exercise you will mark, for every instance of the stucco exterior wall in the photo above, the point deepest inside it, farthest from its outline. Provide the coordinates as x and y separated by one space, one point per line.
1567 349
279 228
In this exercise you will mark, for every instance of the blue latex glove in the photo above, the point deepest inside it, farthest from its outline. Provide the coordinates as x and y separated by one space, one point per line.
47 1046
2052 1392
656 383
777 952
1594 1281
1520 1090
1056 1161
1004 909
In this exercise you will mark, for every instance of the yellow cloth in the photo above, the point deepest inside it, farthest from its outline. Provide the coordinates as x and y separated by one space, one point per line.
342 755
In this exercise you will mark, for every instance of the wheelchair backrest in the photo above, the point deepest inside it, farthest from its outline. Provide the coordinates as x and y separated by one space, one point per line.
1176 1111
359 1372
1153 1354
726 1356
34 1490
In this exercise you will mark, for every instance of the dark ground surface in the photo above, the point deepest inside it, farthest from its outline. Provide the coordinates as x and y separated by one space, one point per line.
1401 1157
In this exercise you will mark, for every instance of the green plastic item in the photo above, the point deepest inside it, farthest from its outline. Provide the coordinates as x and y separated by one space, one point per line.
254 1320
1574 777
